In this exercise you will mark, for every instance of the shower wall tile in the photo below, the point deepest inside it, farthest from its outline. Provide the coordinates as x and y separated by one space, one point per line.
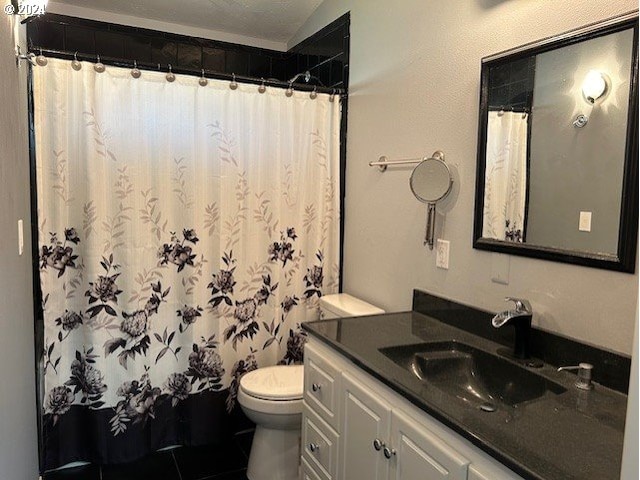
259 66
279 69
52 36
512 84
163 51
189 56
213 59
110 44
326 54
138 48
237 62
78 39
337 74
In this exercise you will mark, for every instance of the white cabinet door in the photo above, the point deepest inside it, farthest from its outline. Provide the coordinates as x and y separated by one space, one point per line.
365 419
420 455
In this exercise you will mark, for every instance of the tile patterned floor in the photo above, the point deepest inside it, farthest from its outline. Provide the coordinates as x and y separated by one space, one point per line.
184 463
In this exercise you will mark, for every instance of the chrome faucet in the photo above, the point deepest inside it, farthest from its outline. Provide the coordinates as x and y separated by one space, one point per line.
520 317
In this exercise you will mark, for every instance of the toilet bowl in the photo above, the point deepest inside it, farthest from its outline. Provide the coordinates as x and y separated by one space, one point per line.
271 397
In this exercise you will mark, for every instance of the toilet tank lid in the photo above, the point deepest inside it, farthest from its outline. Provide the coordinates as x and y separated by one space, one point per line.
345 305
280 382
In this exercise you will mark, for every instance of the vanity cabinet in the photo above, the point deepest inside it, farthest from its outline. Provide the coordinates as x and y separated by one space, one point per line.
375 434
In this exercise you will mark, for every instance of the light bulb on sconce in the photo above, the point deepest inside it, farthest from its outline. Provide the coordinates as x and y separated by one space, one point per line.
595 86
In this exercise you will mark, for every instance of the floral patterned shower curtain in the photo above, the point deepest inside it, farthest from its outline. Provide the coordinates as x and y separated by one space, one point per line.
184 234
505 198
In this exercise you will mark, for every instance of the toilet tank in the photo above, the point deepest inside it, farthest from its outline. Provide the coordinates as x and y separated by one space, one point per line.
344 305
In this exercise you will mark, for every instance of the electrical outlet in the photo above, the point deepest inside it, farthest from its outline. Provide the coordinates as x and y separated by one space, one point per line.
442 254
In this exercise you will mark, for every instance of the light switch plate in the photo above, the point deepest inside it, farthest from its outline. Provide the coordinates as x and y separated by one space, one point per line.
442 254
20 237
585 222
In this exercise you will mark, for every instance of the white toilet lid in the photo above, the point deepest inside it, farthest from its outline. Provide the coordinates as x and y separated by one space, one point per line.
282 382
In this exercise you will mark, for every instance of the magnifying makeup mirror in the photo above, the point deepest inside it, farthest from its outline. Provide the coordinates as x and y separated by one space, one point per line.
430 182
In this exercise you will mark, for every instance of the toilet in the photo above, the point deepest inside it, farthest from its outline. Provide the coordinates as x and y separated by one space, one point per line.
271 397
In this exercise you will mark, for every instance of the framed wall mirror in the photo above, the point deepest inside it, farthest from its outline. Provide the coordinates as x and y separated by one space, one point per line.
557 171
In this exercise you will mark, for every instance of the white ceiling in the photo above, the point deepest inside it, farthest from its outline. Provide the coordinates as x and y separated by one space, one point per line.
272 20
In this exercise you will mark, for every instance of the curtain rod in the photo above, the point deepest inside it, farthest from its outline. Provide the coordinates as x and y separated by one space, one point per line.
508 108
156 67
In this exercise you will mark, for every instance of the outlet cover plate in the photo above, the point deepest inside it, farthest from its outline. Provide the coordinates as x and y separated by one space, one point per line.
442 254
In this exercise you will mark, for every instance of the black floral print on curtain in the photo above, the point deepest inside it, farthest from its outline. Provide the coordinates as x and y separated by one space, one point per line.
184 237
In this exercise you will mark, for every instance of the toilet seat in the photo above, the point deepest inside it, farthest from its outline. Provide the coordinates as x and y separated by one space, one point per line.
276 390
278 383
273 407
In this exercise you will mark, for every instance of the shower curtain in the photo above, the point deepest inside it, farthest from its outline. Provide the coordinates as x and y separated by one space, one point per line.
505 198
184 234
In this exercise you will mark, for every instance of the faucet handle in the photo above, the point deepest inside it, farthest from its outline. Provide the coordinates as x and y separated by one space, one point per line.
584 375
522 305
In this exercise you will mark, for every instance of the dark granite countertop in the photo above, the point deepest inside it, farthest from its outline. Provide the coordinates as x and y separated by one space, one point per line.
573 435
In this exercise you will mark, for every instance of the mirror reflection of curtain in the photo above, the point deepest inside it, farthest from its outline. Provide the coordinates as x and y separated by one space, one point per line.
505 176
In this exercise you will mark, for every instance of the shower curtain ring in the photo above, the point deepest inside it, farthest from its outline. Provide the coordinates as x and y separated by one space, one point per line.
233 85
75 64
289 91
170 76
262 88
135 72
41 59
332 97
203 81
314 94
99 66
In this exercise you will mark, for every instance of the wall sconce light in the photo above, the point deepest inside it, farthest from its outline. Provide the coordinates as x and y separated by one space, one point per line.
595 86
27 8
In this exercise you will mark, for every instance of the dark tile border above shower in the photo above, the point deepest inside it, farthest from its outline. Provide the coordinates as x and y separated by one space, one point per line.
324 53
611 369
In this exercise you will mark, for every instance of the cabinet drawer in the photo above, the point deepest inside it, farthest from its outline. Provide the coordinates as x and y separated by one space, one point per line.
308 472
319 443
322 387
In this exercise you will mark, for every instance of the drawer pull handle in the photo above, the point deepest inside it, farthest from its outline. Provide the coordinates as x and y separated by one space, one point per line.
378 444
389 452
314 447
316 387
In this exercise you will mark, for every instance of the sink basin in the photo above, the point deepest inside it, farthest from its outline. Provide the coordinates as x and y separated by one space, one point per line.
474 376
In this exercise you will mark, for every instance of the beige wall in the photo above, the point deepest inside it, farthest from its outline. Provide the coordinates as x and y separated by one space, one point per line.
414 88
18 439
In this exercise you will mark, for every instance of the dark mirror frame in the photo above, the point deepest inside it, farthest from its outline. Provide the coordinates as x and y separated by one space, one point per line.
625 259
